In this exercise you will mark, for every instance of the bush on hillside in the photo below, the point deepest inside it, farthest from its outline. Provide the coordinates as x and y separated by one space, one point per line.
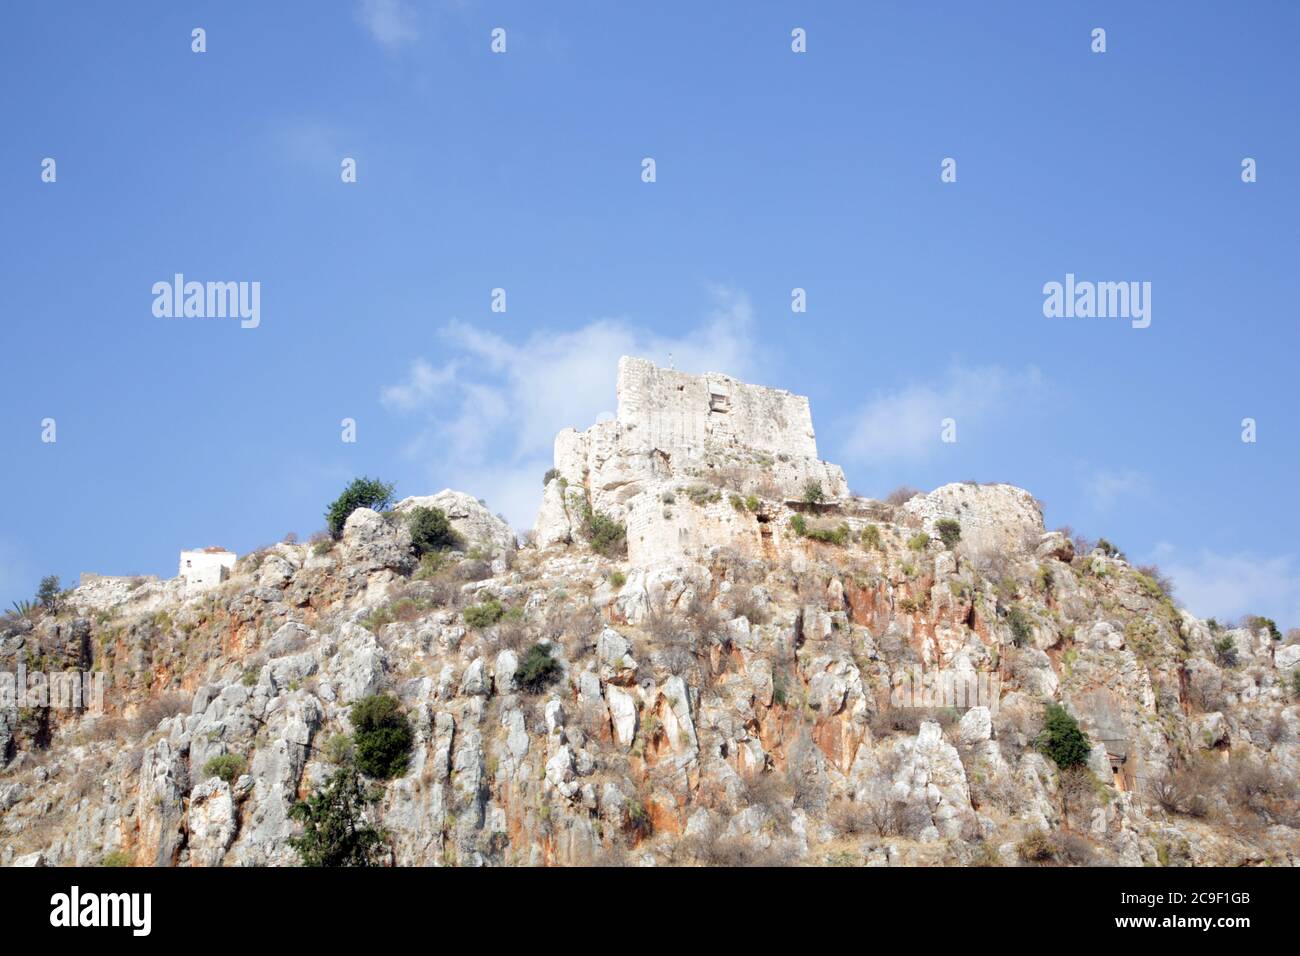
361 493
382 736
1062 739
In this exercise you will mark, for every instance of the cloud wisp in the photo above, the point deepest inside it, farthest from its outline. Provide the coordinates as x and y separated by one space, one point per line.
486 417
1229 585
392 23
905 426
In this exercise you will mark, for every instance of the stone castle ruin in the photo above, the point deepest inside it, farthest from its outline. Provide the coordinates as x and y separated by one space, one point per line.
673 463
696 463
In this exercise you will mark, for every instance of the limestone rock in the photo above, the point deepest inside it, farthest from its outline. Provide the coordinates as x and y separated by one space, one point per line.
477 526
211 822
372 542
992 517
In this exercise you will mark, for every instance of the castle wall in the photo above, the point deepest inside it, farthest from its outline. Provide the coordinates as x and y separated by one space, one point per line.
677 412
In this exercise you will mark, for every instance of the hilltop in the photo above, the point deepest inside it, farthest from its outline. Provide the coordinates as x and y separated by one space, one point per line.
707 651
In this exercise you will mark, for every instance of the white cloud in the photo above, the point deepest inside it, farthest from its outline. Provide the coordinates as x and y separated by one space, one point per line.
391 22
1226 586
489 415
905 425
1105 488
421 386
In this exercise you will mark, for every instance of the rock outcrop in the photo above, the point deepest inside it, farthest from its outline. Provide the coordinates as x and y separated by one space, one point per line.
758 681
477 527
694 439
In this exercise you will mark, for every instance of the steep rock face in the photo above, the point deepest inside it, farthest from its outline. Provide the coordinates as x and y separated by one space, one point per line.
743 713
735 692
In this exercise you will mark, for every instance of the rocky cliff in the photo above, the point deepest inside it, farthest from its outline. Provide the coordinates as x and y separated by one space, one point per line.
753 667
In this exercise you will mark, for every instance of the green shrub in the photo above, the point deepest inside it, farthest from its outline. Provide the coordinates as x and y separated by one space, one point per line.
617 579
431 531
227 767
382 736
362 493
837 535
607 536
752 503
551 475
1295 682
335 832
1022 628
812 492
799 524
949 531
1062 739
484 614
870 538
537 669
737 502
116 858
919 541
1225 651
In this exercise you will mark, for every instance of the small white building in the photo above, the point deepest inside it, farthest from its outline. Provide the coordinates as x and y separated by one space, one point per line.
205 568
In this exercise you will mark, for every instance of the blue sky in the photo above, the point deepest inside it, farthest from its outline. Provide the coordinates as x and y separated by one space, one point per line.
522 171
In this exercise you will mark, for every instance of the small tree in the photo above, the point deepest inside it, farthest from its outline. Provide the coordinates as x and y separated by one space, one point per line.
335 832
430 530
1062 739
361 493
949 531
49 592
812 492
537 669
383 736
